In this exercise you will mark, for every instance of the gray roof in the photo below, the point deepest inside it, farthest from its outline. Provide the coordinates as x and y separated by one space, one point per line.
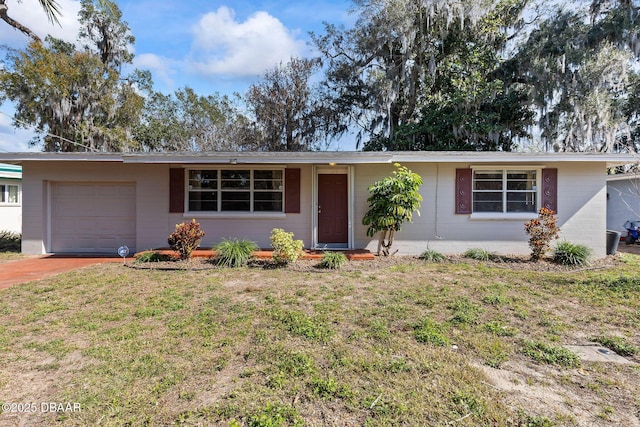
319 157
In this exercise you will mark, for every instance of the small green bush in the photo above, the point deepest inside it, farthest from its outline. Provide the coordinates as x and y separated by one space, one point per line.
186 238
153 256
431 255
234 252
285 249
478 254
10 241
567 253
333 260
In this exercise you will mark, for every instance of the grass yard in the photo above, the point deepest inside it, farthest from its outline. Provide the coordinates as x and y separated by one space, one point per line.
461 343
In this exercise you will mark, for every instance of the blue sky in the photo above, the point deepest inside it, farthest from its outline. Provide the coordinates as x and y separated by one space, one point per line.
211 46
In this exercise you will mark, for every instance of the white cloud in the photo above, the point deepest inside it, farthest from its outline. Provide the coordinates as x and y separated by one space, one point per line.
224 46
13 139
160 66
30 14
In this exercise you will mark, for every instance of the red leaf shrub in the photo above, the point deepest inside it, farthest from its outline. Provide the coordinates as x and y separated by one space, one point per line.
541 231
186 238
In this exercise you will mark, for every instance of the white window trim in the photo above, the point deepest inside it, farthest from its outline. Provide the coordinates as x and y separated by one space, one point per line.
234 214
509 216
14 184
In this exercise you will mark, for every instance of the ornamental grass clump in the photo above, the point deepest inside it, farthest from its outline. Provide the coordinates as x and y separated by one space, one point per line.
333 260
431 255
186 238
234 252
541 231
567 253
478 254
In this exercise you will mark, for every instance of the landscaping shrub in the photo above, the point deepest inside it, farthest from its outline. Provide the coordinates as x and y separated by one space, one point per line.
333 260
285 249
567 253
153 256
10 241
186 238
392 202
478 254
431 255
234 252
541 231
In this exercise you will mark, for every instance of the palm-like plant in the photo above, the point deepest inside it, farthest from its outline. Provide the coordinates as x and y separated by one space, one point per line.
392 202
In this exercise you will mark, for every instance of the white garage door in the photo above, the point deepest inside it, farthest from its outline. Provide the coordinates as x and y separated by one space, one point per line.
92 217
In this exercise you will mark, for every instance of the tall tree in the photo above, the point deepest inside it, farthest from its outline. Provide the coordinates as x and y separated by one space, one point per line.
580 66
287 110
105 33
75 100
50 8
186 121
405 60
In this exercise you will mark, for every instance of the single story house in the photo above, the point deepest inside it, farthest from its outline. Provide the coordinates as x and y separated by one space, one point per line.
623 201
96 202
10 198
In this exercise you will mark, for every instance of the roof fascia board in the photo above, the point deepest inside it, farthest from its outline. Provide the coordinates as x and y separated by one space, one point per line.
511 157
18 158
270 158
623 176
338 157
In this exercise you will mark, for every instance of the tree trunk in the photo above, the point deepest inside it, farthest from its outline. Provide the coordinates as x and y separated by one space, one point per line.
15 24
386 243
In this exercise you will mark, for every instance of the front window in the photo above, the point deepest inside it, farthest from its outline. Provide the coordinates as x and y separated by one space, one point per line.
236 190
9 194
505 191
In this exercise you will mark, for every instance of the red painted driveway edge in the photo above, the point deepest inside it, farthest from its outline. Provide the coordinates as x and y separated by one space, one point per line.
27 270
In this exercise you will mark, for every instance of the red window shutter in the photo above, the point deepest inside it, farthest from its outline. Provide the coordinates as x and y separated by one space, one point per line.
176 190
550 189
292 190
463 191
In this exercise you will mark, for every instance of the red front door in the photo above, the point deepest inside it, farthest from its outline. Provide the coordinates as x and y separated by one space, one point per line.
333 212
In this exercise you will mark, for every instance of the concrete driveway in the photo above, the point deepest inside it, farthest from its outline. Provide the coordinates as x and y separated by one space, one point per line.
26 270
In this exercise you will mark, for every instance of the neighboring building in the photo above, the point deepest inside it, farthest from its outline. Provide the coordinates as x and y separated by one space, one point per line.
10 198
84 202
623 201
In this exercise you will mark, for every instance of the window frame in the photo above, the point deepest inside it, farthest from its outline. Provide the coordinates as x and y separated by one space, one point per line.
505 169
219 190
6 193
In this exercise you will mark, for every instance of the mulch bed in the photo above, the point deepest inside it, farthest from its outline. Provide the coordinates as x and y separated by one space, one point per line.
510 262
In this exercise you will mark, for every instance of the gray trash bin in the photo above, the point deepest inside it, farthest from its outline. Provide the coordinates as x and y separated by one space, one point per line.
613 238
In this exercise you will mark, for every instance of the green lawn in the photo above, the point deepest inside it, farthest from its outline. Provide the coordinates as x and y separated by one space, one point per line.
465 343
